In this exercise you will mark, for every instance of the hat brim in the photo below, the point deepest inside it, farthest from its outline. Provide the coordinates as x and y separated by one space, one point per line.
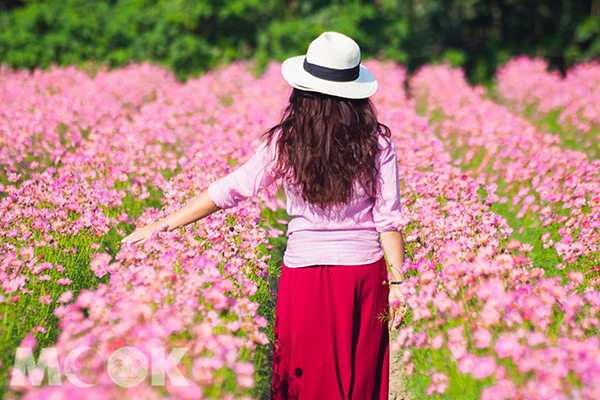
294 73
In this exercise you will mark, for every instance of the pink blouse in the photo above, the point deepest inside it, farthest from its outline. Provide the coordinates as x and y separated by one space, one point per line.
347 235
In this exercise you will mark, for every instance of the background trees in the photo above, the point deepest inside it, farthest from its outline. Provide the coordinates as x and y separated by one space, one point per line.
191 36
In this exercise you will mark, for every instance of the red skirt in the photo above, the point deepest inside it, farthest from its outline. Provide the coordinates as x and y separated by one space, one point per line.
329 342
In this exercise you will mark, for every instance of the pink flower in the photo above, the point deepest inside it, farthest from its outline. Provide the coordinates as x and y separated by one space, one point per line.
114 267
39 329
437 341
508 346
64 281
545 236
465 364
458 349
11 286
410 368
100 263
526 248
260 321
439 383
483 367
245 381
28 342
27 252
226 285
513 244
482 338
66 297
576 276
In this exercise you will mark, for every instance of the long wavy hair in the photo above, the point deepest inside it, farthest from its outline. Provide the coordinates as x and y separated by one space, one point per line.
327 143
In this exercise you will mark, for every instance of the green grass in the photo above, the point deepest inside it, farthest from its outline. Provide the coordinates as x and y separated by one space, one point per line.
531 224
20 316
570 137
461 386
267 298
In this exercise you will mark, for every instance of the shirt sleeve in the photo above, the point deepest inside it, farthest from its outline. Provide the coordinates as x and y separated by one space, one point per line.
246 181
387 211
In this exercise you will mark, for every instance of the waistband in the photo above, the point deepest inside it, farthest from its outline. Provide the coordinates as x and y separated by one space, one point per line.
340 247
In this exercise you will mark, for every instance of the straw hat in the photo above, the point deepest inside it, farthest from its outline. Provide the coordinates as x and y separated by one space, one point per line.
331 66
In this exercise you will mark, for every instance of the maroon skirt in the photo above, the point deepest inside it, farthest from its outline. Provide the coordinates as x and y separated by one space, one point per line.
329 342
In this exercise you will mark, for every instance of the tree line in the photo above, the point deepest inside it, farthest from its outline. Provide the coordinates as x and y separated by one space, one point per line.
192 36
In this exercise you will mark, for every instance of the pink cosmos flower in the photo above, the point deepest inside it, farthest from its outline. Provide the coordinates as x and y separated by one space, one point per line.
526 248
482 338
483 367
508 346
39 329
66 297
513 244
458 349
439 383
410 368
576 276
11 285
437 341
260 321
28 342
545 236
100 263
465 363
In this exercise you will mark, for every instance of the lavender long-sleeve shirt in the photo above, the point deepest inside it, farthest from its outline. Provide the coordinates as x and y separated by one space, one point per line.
347 235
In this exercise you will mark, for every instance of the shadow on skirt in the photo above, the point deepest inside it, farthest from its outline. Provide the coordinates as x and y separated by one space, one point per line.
329 343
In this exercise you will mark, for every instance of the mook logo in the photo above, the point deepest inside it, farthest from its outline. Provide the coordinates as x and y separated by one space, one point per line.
126 367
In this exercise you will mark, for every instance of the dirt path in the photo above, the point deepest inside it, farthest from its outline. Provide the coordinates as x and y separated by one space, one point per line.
397 390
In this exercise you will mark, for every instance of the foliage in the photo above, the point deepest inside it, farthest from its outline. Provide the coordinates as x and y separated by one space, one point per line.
192 36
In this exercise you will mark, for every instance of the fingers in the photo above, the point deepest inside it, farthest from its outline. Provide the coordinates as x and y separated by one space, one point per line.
136 236
136 240
397 313
132 237
399 295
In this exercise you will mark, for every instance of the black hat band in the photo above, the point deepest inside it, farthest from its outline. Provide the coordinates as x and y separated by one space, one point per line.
332 74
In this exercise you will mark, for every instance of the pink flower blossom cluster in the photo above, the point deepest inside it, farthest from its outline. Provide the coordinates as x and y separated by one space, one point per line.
101 145
97 146
490 312
558 188
525 81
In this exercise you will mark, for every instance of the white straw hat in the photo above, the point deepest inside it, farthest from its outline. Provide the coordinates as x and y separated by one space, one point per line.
331 66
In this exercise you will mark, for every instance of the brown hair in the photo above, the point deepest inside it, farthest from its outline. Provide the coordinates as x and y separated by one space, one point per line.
326 144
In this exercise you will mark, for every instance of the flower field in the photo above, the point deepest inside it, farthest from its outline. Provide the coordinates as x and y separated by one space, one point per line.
501 199
569 106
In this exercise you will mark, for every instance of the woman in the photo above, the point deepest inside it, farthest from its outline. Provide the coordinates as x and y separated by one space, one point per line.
340 174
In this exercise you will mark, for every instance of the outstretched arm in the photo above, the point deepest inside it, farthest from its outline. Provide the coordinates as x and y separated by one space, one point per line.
227 192
202 206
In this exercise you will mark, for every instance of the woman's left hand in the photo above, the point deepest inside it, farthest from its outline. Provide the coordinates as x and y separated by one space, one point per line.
143 234
399 312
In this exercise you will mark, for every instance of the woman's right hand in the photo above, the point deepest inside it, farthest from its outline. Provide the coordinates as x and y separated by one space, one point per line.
141 235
